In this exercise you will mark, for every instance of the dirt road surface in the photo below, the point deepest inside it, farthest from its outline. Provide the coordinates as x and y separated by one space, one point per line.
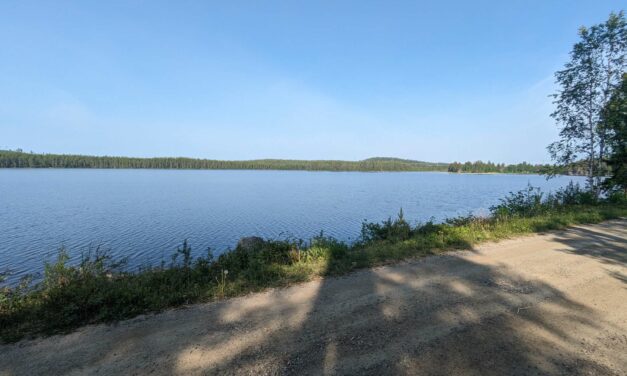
544 304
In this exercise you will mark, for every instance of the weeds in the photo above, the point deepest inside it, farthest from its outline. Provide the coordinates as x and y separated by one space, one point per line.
222 282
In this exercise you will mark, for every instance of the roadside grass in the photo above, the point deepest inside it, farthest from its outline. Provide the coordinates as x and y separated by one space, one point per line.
98 289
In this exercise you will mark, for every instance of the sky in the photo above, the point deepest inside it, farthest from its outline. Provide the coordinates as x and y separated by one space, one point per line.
427 80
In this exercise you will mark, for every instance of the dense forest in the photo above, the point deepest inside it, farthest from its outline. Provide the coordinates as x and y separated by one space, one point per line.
20 159
479 167
491 167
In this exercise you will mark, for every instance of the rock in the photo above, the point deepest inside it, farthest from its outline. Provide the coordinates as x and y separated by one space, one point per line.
250 244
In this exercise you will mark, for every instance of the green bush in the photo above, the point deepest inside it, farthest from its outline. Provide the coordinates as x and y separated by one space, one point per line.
389 229
617 197
532 201
525 202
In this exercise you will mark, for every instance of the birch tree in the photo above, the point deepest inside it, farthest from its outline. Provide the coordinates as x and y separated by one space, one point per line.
587 82
615 121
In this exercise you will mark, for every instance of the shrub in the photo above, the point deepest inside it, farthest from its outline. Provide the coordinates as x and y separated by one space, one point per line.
532 201
523 203
431 227
572 194
617 197
389 229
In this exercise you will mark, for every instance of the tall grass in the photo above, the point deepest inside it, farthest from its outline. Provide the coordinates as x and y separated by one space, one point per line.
98 289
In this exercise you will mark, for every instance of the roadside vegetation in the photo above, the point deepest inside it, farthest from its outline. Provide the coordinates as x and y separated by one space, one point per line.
98 289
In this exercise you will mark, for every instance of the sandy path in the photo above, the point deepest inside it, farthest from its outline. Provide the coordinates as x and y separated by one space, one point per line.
544 304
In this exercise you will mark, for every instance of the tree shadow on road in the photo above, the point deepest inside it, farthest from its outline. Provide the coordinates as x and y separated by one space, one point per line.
437 316
598 244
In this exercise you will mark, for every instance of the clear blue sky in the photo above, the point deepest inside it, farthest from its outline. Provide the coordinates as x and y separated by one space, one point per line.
437 81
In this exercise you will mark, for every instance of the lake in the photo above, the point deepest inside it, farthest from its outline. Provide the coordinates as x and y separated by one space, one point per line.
145 214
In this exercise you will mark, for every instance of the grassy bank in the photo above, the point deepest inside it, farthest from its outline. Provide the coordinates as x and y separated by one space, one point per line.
99 290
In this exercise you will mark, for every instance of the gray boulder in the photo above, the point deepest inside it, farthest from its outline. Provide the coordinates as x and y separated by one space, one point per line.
250 244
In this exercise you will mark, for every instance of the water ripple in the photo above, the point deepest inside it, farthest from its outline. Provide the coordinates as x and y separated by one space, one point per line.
145 214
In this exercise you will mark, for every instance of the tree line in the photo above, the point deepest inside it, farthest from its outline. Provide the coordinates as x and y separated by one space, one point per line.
491 167
21 159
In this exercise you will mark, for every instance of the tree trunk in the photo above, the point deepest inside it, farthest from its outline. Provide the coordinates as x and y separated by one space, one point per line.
591 156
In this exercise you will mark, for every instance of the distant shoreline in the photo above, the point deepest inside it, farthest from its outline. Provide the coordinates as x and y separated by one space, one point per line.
279 170
20 159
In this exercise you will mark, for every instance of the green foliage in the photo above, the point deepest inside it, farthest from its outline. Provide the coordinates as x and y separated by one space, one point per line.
586 84
526 202
395 230
186 252
19 159
572 194
617 197
615 122
491 167
97 289
532 201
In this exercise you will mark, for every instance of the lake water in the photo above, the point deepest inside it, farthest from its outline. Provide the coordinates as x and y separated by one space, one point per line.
146 214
